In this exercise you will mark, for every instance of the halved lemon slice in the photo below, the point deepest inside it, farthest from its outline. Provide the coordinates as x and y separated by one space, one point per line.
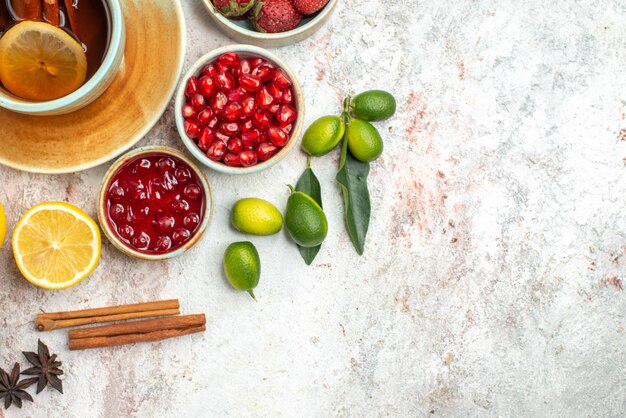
56 245
41 62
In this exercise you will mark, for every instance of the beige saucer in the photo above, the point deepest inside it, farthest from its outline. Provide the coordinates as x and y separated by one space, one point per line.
117 120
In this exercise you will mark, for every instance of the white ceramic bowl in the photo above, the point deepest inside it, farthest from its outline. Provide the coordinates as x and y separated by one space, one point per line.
89 91
243 51
242 31
102 203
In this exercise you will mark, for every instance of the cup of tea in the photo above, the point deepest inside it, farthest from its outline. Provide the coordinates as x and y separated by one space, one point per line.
58 55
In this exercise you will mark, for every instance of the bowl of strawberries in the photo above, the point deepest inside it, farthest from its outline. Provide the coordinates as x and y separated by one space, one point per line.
239 109
270 23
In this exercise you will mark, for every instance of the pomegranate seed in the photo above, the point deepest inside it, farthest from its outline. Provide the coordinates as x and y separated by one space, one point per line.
246 125
191 129
288 96
234 145
255 62
261 120
230 129
198 101
250 138
213 122
248 105
207 86
248 158
287 114
209 71
265 72
219 102
192 87
286 128
232 159
275 91
221 137
266 150
188 111
232 111
250 82
236 94
206 139
245 67
281 79
277 136
221 68
224 81
204 117
264 98
273 109
216 151
229 59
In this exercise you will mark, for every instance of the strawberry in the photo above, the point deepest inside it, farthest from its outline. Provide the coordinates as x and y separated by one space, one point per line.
233 8
307 7
275 16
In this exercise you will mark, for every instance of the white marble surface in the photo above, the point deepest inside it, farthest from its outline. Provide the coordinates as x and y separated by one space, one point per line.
492 283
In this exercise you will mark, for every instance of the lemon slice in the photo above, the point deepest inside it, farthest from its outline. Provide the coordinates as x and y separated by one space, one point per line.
41 62
56 245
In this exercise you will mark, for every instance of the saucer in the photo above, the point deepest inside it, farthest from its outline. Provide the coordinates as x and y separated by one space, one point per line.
123 115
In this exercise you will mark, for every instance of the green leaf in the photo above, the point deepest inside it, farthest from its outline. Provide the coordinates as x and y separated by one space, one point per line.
352 176
309 184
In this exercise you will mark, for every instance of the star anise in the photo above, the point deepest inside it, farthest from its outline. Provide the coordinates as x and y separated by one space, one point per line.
46 368
12 390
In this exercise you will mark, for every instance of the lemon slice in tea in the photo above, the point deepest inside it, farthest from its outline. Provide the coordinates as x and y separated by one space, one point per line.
39 61
56 245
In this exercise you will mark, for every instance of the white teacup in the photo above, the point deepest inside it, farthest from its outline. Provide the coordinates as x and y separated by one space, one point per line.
89 91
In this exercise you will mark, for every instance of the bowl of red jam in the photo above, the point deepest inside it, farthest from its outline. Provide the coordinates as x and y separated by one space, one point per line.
239 109
154 203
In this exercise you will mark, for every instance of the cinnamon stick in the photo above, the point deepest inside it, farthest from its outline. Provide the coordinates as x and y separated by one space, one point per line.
51 12
56 320
140 327
99 342
71 15
27 9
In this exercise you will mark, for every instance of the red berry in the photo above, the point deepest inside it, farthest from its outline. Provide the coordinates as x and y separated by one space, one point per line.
232 111
207 86
281 79
246 125
224 81
261 120
191 129
234 145
248 158
216 151
204 117
219 102
229 59
188 111
192 87
229 128
277 136
181 235
248 105
206 139
265 72
198 102
287 114
266 150
232 159
264 98
250 82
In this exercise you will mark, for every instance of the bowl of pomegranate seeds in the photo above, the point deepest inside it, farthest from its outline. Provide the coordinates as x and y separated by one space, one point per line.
154 204
239 109
270 23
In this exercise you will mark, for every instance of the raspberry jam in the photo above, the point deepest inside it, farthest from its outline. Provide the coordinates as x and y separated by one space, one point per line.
240 111
155 203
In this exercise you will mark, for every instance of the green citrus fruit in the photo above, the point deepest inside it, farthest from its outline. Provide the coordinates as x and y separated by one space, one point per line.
3 225
323 135
256 216
305 220
373 105
242 266
364 141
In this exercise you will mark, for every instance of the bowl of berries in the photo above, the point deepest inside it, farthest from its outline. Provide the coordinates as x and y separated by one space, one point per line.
270 23
239 109
154 203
